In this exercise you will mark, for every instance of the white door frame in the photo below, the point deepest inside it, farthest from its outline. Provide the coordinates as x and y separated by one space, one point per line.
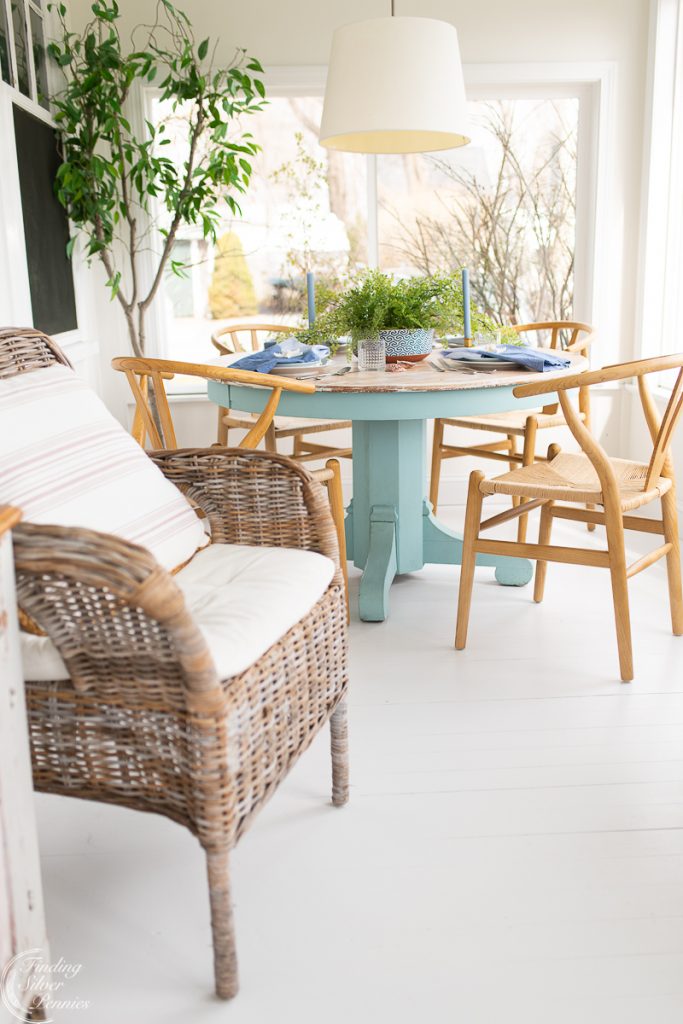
15 291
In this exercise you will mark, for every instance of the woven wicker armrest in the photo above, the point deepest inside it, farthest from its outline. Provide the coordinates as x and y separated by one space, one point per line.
115 616
256 498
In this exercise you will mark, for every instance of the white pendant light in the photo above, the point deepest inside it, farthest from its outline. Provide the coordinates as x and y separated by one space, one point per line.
395 85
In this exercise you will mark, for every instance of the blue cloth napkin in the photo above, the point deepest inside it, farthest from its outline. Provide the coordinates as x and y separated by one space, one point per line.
270 359
530 358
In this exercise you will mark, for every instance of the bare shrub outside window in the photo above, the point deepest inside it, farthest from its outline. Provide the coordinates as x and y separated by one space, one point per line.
505 206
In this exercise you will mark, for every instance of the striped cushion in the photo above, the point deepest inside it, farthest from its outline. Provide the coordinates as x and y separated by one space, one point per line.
65 460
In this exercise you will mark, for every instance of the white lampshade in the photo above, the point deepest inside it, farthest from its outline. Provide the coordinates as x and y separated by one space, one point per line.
395 85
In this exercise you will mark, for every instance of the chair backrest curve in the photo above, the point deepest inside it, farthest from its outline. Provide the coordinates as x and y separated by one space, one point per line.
233 331
580 337
23 349
662 442
146 379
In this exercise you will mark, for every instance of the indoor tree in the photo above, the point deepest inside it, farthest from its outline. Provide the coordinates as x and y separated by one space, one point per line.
122 191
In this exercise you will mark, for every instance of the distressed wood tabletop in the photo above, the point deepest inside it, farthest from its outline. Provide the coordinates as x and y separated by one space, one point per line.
424 376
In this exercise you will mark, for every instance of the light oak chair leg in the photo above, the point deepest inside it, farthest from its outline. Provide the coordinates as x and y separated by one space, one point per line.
36 1012
585 408
512 443
336 496
222 432
436 464
270 439
673 560
617 567
528 457
544 534
222 924
340 754
469 557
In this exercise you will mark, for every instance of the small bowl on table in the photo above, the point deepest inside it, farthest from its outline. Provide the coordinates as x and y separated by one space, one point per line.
408 345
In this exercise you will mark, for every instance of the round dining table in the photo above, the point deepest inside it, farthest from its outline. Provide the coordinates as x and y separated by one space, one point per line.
390 527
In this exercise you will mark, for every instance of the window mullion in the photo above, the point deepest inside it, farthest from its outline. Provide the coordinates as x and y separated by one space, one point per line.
32 84
373 212
13 70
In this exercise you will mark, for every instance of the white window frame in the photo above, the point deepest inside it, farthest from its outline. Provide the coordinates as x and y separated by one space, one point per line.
596 276
597 265
27 7
660 271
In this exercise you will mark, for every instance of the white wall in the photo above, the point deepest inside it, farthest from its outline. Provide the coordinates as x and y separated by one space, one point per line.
491 31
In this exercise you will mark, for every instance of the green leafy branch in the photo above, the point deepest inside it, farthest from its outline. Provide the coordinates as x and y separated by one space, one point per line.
114 179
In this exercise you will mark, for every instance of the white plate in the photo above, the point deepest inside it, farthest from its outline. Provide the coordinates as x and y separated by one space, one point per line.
484 365
292 369
289 369
451 341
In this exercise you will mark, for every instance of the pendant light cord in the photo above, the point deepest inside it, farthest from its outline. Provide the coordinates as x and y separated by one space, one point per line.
393 12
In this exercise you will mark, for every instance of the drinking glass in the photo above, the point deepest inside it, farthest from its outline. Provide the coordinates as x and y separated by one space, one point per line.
372 354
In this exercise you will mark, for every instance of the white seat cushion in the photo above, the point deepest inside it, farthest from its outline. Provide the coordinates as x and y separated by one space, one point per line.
65 460
243 600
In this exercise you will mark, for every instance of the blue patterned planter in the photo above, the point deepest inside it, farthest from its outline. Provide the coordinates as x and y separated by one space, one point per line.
410 345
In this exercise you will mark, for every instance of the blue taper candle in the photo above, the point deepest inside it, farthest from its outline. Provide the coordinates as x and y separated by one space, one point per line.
467 325
310 292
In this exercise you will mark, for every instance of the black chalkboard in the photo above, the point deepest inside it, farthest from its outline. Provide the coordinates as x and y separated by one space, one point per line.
46 229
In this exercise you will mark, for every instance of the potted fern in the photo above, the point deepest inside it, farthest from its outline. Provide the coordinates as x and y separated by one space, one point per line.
404 314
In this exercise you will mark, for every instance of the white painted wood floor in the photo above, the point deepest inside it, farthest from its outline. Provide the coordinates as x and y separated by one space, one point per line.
512 851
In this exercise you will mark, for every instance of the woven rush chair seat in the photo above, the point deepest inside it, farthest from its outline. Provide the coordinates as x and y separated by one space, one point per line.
175 664
509 422
572 477
287 426
524 425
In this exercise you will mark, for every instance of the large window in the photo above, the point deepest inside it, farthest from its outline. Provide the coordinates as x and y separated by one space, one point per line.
505 206
305 210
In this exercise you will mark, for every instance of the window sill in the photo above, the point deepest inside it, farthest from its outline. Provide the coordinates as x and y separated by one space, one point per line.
188 394
661 393
178 398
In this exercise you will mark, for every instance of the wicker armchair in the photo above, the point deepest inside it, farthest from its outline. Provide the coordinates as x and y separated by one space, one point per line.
144 721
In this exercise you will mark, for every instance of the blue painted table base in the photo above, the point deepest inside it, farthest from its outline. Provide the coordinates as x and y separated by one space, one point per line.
390 528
